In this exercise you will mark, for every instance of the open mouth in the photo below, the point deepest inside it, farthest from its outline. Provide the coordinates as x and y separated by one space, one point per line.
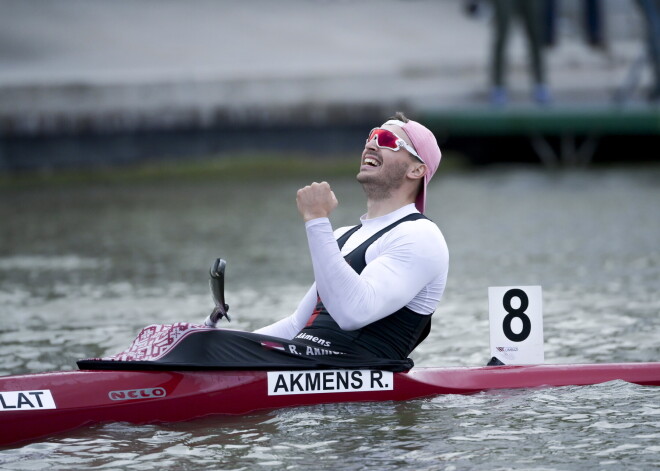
370 162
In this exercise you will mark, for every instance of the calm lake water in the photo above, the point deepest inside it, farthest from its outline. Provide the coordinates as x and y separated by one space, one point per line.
84 267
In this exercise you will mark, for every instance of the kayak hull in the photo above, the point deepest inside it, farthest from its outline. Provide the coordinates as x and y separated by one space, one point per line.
38 405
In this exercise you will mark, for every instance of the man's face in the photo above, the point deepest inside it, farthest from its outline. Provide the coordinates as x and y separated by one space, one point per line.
383 169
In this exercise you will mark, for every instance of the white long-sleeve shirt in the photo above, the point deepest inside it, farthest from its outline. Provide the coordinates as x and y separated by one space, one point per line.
407 266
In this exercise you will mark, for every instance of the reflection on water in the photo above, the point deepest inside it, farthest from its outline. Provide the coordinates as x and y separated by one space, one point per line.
83 268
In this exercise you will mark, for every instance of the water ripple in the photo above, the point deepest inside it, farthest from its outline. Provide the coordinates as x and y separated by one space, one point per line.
589 238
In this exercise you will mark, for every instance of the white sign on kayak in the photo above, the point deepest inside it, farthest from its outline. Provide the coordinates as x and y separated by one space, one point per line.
26 400
516 324
328 381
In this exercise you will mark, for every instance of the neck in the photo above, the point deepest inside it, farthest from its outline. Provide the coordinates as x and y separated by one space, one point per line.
383 199
378 208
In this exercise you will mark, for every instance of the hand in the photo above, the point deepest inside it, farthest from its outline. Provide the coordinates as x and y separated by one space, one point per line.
316 201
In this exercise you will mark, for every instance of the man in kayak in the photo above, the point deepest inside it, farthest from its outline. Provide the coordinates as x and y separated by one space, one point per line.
376 284
379 304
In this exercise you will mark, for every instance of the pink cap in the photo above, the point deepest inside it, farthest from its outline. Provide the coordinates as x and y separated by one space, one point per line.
427 147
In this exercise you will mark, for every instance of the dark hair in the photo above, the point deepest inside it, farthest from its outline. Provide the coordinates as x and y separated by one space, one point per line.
400 116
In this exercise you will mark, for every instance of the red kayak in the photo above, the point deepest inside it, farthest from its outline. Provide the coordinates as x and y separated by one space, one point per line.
182 371
37 405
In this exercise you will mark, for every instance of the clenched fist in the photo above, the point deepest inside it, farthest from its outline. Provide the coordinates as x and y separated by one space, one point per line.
316 201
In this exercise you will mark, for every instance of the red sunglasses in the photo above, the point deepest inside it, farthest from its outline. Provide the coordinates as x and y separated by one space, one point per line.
388 140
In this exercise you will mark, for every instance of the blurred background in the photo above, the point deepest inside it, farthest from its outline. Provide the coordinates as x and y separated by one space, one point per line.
92 83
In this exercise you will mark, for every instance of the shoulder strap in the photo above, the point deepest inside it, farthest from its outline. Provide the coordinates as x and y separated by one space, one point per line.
410 217
344 237
377 235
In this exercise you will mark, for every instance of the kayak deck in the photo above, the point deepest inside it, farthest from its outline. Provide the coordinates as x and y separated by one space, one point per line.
37 405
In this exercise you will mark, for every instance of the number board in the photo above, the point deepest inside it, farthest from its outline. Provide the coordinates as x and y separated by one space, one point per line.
516 324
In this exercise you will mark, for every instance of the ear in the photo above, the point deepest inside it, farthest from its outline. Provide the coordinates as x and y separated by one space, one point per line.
417 171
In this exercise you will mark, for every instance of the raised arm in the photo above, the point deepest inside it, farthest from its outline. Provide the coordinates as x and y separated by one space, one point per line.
407 260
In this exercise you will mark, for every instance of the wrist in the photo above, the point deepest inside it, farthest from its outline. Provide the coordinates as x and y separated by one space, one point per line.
314 215
316 221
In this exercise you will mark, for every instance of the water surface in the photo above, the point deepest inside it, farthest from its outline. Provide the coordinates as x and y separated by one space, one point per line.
84 267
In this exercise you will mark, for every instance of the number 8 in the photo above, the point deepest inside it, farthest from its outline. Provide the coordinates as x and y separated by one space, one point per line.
513 313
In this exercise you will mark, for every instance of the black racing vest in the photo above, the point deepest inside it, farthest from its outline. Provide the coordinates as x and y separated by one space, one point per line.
394 336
